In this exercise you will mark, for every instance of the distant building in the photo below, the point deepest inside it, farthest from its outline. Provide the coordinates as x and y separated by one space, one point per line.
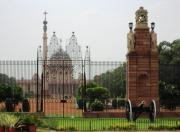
74 51
59 73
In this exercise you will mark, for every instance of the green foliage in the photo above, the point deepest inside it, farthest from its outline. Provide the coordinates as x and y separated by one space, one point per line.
123 126
31 120
97 106
29 94
169 95
55 125
80 103
81 94
82 89
107 124
9 90
114 81
71 128
169 53
117 103
97 93
10 120
164 127
25 105
9 105
169 86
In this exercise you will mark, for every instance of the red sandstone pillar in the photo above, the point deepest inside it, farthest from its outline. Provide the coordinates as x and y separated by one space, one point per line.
142 62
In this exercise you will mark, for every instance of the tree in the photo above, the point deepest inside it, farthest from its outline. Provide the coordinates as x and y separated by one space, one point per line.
169 73
114 81
96 97
99 93
10 92
25 105
81 94
169 53
169 95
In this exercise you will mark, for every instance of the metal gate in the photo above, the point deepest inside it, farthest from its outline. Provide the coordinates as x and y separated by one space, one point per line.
51 86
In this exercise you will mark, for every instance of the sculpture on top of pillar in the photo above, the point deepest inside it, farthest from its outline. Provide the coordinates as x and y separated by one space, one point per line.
141 18
153 38
130 39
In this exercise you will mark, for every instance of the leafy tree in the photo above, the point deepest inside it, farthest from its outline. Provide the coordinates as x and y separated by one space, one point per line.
117 103
169 95
169 73
10 92
96 97
169 53
81 94
25 105
114 81
99 93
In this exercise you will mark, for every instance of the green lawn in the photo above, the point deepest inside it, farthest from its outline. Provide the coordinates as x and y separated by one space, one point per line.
85 124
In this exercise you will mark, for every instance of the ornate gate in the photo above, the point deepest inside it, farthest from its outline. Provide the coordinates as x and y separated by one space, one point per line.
60 82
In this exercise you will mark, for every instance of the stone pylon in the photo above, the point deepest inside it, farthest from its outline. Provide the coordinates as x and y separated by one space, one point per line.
142 62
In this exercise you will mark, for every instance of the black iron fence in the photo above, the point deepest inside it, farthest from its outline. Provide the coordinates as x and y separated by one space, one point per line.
62 87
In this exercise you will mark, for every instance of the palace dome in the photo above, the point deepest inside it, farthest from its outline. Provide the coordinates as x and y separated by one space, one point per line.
60 55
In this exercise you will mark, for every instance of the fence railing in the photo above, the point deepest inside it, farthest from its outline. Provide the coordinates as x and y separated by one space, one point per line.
53 86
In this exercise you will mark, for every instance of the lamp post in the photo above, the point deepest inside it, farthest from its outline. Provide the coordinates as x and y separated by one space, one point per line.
37 81
152 26
130 26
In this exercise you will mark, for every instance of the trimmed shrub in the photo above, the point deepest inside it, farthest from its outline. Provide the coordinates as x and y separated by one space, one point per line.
123 126
9 105
164 127
25 105
97 106
117 103
80 103
100 93
71 128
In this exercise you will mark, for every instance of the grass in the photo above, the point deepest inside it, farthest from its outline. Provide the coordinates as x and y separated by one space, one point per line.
86 124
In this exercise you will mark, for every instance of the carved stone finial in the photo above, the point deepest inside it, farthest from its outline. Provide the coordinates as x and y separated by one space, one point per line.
141 18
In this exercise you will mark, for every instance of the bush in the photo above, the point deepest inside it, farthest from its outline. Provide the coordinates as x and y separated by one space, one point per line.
25 105
97 106
123 126
29 94
71 128
9 120
81 91
116 103
31 120
164 127
169 95
100 93
80 103
9 105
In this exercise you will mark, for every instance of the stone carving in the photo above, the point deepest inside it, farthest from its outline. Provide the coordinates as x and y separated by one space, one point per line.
153 41
141 18
130 41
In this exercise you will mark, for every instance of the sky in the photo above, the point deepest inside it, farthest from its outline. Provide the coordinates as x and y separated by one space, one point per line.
100 24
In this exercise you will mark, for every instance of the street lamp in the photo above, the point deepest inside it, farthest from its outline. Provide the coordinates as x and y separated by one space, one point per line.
37 87
130 26
152 26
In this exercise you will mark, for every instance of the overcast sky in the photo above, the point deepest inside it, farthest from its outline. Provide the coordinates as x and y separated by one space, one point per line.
101 24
